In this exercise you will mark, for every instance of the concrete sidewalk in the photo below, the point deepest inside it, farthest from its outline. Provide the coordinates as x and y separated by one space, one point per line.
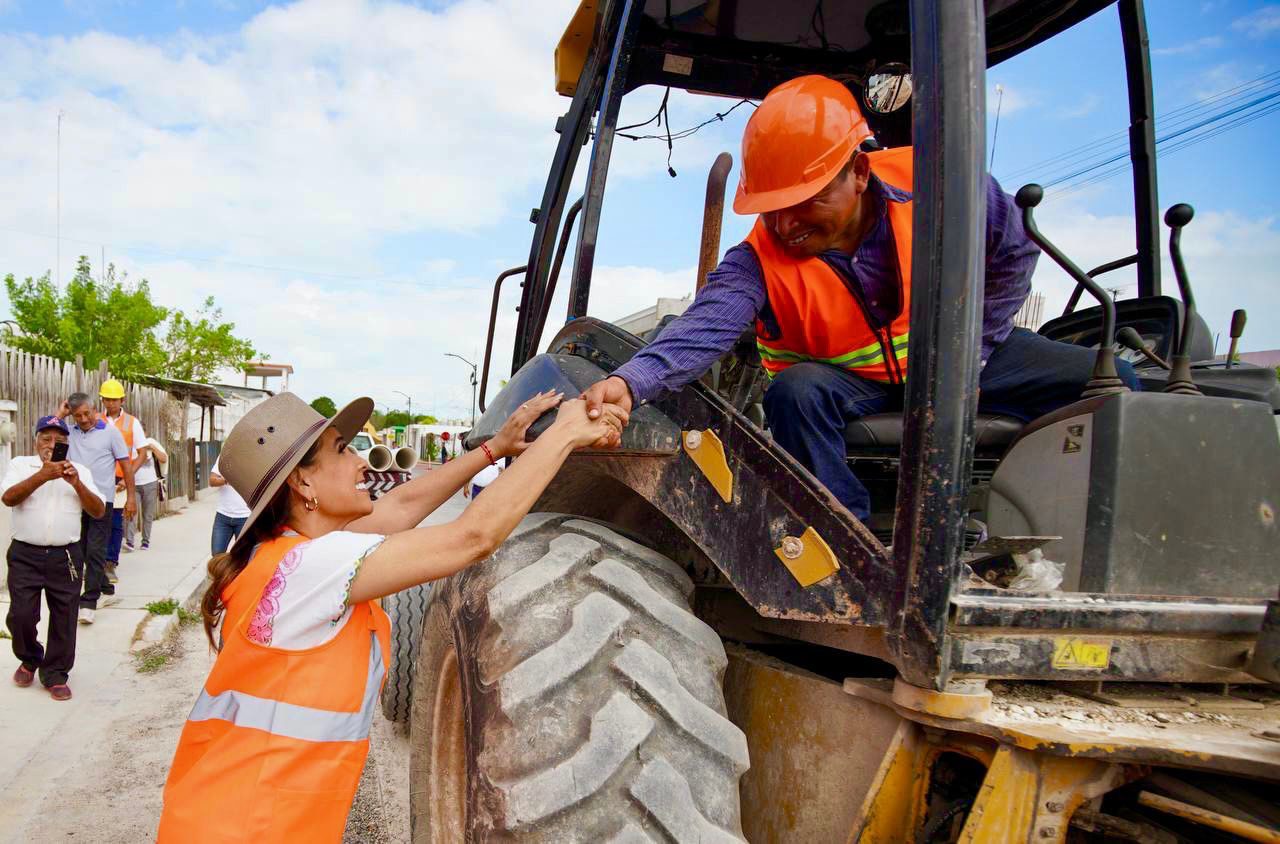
41 738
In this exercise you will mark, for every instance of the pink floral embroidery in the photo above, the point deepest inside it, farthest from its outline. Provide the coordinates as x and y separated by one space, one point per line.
260 626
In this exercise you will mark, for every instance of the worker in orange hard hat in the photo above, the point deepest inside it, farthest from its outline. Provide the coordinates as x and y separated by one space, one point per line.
825 279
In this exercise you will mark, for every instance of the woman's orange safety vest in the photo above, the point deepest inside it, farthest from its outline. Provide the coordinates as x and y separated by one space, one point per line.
276 743
819 317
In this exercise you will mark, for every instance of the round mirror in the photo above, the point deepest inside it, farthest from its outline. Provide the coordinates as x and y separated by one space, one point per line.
888 88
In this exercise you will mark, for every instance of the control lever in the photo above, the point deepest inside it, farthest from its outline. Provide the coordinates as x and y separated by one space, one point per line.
1132 340
1104 381
1238 317
1180 372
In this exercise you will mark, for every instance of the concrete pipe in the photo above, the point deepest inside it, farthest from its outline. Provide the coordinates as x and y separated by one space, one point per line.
380 458
406 458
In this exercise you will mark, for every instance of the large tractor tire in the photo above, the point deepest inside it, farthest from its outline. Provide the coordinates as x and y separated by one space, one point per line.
566 692
406 610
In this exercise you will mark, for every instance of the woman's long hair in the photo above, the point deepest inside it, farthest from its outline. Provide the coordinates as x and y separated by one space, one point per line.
224 568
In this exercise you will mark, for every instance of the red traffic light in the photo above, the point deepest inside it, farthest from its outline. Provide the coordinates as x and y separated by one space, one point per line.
445 436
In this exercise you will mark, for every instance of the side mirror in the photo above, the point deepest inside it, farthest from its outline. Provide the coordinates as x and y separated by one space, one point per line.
888 88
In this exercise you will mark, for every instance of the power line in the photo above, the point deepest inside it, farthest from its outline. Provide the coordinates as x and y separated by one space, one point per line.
1107 146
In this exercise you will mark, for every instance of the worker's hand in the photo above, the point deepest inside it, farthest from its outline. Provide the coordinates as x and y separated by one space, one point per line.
510 441
130 507
119 486
69 473
64 410
612 390
50 471
605 431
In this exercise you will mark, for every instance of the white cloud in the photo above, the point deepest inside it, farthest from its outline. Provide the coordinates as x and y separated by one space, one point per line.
1084 106
1230 259
1209 42
1259 24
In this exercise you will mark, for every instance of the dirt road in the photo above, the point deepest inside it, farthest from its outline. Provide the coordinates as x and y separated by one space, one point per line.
113 795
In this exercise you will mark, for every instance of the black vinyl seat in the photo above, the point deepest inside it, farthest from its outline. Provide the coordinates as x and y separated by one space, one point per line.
883 432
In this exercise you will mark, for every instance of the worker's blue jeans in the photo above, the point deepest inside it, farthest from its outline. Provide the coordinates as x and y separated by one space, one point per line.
810 404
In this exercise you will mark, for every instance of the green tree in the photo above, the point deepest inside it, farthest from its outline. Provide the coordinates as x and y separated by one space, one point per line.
425 419
195 349
111 320
116 321
396 417
325 407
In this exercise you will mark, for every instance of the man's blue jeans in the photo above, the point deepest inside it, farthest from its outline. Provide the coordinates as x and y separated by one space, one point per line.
810 404
117 535
225 529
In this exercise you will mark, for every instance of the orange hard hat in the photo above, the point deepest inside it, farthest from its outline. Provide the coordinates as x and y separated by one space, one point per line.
799 138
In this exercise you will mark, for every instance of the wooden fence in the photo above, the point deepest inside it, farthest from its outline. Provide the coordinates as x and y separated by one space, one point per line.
38 385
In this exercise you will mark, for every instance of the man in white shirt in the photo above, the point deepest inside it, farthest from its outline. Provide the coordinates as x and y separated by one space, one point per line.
232 511
482 479
146 479
47 498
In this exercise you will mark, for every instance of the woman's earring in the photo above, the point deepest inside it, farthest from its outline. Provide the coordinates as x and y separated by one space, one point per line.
312 505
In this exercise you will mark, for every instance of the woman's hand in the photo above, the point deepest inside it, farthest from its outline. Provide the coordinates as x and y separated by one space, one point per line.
603 432
510 441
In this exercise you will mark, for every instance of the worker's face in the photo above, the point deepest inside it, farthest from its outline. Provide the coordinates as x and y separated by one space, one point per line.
46 440
84 416
113 406
812 227
335 478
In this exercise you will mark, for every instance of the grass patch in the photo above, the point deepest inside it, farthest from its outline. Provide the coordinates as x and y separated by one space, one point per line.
166 607
186 617
152 662
4 634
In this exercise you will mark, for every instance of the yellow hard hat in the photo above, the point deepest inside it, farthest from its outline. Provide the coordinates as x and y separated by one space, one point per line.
112 389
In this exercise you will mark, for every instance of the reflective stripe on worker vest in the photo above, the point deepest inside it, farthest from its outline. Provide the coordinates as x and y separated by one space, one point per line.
290 720
866 356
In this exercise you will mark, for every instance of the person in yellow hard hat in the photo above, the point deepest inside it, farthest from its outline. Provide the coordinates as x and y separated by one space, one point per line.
824 277
126 500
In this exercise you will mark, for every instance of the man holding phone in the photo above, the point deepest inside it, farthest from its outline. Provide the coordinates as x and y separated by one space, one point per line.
102 448
47 496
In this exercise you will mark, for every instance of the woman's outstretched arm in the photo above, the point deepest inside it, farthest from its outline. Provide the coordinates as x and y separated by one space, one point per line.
407 505
418 555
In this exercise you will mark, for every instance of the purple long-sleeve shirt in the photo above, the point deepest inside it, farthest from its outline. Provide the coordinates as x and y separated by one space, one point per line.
735 294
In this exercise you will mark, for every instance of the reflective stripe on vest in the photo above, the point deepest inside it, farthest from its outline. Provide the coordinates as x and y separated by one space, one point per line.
819 317
292 721
866 356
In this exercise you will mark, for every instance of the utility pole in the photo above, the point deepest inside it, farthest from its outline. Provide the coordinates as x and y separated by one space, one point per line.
409 399
57 262
474 381
995 134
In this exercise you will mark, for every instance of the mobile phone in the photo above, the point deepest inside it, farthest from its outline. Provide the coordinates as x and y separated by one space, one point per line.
59 452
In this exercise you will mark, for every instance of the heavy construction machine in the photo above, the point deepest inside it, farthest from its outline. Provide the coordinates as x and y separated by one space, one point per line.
692 640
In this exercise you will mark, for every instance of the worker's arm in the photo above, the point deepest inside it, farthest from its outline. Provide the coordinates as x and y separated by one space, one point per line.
90 501
417 556
727 306
143 452
19 491
125 461
1011 261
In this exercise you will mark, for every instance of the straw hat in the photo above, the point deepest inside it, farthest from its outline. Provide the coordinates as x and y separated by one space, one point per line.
265 446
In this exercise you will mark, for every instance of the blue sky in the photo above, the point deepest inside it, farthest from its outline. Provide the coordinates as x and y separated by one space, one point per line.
347 177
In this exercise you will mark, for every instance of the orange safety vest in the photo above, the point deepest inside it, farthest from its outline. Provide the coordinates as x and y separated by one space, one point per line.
819 317
275 745
125 426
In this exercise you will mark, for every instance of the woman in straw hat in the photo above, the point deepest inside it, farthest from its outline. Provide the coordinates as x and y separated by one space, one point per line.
275 745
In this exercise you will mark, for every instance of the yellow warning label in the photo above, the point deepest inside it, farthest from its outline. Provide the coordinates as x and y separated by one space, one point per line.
1079 655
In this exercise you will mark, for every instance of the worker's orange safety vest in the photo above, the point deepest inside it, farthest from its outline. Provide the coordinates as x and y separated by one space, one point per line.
818 315
124 424
274 748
